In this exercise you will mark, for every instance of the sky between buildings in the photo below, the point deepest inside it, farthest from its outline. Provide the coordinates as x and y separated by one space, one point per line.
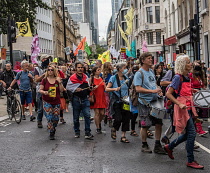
104 14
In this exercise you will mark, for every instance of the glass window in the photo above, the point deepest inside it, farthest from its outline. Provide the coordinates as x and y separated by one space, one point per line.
136 22
158 37
136 4
157 14
157 0
127 3
149 15
123 13
205 4
150 37
148 1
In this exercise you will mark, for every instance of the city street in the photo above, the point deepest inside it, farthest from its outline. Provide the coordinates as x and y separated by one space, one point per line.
26 149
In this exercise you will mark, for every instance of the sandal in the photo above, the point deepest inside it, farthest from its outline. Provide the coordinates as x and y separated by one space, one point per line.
133 133
124 140
113 133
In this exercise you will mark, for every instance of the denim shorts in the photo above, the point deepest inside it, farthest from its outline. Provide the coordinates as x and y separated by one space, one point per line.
145 118
25 97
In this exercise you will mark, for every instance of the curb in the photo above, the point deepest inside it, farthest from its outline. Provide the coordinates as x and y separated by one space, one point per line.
4 118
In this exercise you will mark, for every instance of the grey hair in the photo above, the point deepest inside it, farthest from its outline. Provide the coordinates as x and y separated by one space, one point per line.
180 63
24 62
120 65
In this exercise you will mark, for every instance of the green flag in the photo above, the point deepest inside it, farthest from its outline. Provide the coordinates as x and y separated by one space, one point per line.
87 49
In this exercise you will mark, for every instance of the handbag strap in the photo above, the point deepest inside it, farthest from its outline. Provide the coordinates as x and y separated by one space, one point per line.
118 84
145 102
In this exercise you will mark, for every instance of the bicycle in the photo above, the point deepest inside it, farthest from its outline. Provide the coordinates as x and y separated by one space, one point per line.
13 106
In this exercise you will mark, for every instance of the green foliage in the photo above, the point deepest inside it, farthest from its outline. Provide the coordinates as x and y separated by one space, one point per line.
20 10
99 50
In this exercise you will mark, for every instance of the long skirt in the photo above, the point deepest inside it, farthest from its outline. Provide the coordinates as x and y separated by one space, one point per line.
52 113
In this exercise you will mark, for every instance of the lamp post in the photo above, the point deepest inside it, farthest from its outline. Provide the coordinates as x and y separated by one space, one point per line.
64 28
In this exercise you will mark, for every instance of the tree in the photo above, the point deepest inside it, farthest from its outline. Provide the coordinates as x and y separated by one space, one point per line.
100 49
19 10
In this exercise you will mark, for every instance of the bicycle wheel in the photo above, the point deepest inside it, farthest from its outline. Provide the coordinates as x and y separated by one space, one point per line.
9 112
17 111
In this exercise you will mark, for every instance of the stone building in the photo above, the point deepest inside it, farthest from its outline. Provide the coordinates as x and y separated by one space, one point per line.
170 12
72 35
148 25
120 19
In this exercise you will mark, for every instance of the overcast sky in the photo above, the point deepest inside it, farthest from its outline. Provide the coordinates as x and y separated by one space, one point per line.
104 14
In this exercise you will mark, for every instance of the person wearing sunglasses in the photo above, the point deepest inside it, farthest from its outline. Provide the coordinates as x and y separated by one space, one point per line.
50 88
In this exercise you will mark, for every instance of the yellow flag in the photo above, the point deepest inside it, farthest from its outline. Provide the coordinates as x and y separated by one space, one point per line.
99 57
24 29
124 37
105 57
129 20
55 60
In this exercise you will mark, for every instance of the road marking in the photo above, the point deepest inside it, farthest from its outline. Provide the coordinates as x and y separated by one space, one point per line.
2 131
204 148
27 131
4 124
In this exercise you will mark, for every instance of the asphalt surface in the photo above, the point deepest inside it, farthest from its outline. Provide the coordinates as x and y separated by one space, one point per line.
26 149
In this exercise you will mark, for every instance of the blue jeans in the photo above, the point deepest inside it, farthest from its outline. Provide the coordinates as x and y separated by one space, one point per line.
40 106
78 106
189 137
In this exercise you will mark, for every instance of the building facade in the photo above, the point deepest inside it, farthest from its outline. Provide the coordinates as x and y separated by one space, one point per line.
148 26
85 11
72 30
205 30
171 28
177 16
119 42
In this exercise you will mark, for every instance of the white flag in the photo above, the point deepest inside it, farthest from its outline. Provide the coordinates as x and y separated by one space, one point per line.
74 47
114 53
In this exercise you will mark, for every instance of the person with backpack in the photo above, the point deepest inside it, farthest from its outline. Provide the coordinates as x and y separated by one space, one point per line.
26 78
145 84
133 95
165 81
183 110
39 74
119 109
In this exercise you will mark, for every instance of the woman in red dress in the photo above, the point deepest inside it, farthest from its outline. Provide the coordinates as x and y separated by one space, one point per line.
100 98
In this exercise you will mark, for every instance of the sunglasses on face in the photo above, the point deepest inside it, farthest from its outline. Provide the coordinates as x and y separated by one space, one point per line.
50 70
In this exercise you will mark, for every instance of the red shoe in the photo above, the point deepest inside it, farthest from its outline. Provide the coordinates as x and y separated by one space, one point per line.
202 133
169 152
194 165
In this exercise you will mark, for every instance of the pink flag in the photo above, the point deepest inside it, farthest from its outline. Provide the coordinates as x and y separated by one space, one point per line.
144 46
35 49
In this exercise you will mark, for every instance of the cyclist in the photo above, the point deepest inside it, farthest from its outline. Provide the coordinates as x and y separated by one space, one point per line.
25 78
7 76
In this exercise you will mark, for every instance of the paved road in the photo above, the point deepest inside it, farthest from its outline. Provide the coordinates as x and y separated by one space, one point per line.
26 149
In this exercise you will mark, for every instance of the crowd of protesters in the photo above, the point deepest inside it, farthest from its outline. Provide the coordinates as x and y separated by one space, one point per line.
118 94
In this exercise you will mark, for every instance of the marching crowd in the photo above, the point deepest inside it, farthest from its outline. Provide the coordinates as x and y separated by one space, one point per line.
118 94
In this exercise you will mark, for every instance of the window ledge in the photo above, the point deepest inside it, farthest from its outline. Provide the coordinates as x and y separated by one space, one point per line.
204 11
